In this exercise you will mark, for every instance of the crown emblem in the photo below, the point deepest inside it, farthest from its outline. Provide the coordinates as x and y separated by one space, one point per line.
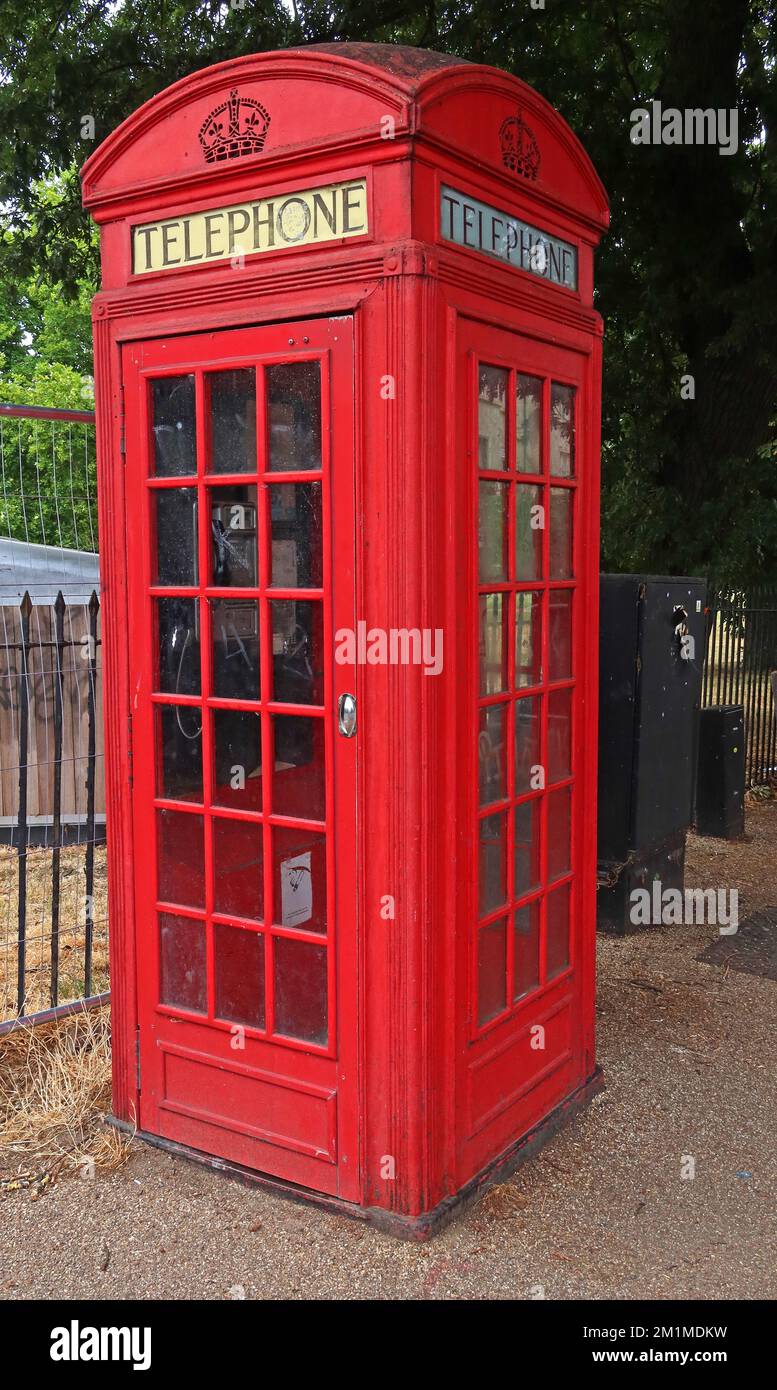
237 127
520 151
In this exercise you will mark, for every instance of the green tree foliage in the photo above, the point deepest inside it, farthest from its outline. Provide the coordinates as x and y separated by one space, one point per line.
687 277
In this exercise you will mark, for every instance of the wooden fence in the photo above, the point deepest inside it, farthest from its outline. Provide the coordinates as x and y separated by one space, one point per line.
58 646
741 659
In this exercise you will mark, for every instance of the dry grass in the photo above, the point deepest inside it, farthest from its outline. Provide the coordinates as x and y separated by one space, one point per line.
72 927
55 1084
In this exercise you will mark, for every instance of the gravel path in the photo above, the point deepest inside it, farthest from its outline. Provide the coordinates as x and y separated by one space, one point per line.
690 1057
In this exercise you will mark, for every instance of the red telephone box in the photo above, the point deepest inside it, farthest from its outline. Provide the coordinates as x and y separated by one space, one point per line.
348 395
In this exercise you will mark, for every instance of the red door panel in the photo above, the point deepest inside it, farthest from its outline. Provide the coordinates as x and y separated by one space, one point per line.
240 474
528 964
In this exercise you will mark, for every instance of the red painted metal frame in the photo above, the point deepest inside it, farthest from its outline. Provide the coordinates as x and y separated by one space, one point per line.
421 308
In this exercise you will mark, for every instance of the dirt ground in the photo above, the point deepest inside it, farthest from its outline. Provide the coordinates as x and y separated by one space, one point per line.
690 1056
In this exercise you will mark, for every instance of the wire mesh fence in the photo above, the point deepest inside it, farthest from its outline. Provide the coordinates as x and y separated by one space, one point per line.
741 660
53 927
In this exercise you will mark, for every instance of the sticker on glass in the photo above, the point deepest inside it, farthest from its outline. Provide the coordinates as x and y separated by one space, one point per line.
296 890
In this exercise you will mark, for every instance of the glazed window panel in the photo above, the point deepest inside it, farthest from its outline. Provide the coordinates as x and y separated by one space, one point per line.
528 638
492 970
299 878
529 530
559 735
560 634
174 452
238 868
528 766
231 420
492 417
493 863
179 752
178 646
298 777
561 540
234 537
238 975
235 641
494 609
175 554
183 983
300 990
559 833
493 531
526 950
294 416
180 859
296 526
528 424
557 943
562 430
492 754
298 651
526 846
237 750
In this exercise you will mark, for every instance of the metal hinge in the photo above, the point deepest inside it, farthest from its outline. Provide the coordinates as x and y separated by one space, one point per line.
130 749
137 1058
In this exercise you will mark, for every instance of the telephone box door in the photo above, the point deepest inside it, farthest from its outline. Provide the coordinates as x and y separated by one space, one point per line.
240 548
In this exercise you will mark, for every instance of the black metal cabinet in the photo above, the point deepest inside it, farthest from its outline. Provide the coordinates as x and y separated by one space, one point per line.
651 653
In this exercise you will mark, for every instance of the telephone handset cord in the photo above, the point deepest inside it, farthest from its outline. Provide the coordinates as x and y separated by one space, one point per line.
191 737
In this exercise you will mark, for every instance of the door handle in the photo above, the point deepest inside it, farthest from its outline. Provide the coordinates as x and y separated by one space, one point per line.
346 715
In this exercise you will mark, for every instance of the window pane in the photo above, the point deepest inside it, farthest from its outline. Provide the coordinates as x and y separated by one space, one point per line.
180 859
557 949
299 874
300 990
297 555
527 744
238 866
528 419
492 531
493 643
176 536
492 754
238 970
237 741
526 940
559 735
527 847
294 412
560 634
234 537
172 424
492 970
298 651
298 783
562 430
492 417
559 830
179 769
182 980
493 863
178 646
529 527
235 636
561 502
528 639
232 420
